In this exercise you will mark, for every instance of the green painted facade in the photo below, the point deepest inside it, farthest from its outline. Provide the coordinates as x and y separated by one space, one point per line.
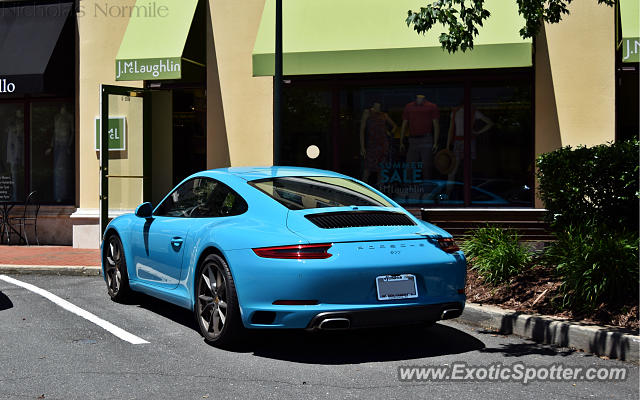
337 36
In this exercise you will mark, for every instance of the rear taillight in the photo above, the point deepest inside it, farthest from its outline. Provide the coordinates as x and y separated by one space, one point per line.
296 252
448 245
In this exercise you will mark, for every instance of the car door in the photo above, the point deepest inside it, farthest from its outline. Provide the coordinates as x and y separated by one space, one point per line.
159 242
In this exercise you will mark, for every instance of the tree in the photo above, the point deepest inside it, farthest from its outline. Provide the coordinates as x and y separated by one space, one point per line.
463 17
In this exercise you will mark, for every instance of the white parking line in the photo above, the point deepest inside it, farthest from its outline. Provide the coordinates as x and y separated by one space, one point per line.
108 326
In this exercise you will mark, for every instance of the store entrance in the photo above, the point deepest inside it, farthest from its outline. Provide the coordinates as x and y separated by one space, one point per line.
125 148
189 132
155 138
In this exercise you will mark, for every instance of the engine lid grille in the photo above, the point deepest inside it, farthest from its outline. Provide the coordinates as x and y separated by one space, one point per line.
355 219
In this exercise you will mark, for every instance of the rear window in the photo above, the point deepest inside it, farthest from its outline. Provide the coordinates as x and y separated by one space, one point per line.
306 192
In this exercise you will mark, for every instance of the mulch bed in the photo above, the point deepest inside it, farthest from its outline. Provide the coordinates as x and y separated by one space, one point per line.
536 291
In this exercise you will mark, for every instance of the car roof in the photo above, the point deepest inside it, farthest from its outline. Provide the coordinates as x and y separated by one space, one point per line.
253 173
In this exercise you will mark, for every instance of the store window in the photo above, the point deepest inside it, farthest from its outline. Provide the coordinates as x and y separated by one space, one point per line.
307 122
43 159
627 73
412 139
52 147
627 101
501 145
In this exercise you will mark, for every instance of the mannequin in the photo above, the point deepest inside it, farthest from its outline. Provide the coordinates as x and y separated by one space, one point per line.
422 119
15 150
456 136
374 146
62 146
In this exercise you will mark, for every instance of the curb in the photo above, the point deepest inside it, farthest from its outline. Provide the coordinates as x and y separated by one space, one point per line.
50 270
599 340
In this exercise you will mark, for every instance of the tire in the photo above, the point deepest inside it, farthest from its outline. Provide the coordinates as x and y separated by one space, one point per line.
115 272
216 303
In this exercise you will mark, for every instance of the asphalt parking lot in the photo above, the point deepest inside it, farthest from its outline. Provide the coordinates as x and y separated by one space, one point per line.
49 352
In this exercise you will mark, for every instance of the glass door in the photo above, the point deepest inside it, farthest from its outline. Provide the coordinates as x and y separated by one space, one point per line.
124 143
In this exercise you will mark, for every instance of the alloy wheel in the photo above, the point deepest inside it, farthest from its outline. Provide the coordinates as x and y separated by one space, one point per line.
212 300
113 269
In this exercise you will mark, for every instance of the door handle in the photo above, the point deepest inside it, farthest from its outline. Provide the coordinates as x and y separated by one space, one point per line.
176 242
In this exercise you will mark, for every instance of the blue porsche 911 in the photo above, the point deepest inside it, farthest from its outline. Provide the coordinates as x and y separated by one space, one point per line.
284 247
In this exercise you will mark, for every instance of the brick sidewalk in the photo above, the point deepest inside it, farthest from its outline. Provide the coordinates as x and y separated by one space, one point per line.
48 255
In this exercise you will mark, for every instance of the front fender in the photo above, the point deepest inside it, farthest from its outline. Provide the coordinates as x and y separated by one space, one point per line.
122 226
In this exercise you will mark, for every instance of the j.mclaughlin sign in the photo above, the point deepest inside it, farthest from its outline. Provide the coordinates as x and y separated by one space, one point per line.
631 50
148 69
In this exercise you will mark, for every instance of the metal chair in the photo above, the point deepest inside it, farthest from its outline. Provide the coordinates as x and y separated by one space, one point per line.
3 228
29 217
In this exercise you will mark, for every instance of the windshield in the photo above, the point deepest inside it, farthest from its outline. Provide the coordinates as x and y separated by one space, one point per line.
302 192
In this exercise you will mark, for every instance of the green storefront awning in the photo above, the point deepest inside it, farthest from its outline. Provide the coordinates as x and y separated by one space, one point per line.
154 41
630 20
355 36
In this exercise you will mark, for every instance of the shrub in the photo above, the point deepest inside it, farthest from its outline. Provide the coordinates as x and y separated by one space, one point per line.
496 254
596 265
599 183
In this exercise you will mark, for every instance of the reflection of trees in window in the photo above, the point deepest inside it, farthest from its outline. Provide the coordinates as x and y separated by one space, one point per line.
306 109
505 155
306 121
202 198
505 105
202 190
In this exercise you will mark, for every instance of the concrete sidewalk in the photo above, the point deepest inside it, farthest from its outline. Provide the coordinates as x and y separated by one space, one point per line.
600 340
57 260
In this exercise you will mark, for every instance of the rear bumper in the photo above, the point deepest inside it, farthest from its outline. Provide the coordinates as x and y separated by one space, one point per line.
343 316
345 283
386 316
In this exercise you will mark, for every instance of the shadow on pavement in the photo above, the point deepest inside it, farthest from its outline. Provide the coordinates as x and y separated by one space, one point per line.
525 349
5 302
335 347
360 346
167 310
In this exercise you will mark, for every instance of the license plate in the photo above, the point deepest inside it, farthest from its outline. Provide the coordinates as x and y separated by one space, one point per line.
392 287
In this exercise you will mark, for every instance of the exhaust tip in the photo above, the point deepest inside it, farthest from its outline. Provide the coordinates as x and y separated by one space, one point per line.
334 323
450 313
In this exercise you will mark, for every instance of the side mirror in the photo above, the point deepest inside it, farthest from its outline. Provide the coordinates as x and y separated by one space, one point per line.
144 210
